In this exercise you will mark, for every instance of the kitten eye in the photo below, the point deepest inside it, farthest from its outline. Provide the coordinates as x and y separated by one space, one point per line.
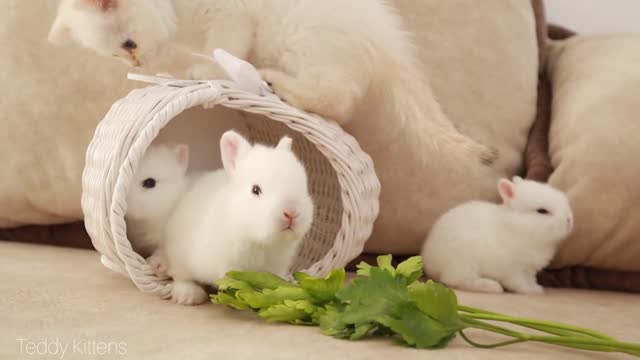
129 45
255 190
543 211
149 183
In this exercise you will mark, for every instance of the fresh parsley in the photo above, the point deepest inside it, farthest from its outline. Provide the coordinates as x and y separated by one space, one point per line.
393 302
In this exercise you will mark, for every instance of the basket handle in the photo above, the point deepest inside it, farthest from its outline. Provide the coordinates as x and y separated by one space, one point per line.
244 75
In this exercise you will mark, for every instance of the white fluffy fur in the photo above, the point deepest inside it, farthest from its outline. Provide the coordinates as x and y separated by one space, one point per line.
149 209
103 25
346 60
220 225
481 246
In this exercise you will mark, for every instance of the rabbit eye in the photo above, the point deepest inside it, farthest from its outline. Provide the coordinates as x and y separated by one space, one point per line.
543 211
149 183
255 190
129 45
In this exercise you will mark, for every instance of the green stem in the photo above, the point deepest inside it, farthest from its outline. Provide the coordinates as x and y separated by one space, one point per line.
489 346
493 328
557 332
579 342
544 326
514 334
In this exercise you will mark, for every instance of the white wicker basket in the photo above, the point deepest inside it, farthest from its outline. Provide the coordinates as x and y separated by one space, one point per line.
342 180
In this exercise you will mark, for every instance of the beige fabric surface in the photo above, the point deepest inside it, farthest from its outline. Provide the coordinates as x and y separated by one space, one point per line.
57 97
594 147
51 101
66 295
481 58
59 94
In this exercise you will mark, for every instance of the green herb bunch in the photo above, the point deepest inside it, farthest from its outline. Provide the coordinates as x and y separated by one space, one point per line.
387 301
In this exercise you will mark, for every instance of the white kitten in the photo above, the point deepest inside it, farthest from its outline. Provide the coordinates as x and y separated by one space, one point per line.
100 26
481 246
159 183
345 60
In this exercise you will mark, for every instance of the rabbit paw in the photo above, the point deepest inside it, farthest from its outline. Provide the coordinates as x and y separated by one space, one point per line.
531 290
158 264
482 285
524 285
187 293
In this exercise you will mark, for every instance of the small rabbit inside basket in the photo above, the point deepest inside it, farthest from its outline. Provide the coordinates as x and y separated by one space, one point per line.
481 246
251 215
159 184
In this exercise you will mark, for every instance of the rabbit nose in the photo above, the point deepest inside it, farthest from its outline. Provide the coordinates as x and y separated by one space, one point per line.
290 217
290 214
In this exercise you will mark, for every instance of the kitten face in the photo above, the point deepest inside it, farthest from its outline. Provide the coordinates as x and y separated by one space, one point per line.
131 30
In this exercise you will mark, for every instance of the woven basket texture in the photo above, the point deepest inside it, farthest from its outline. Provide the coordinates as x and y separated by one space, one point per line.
342 180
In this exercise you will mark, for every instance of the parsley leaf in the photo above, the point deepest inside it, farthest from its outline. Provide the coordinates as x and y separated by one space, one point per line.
417 328
373 296
292 311
322 289
387 301
435 300
257 280
411 269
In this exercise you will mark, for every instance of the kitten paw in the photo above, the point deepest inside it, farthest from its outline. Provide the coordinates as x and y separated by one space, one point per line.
159 265
276 80
334 101
489 155
204 72
187 293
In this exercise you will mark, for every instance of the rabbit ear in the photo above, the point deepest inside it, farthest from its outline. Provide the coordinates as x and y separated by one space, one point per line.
102 5
182 155
232 148
506 190
284 144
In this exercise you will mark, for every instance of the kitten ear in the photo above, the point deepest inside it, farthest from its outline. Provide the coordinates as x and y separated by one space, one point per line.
182 155
285 143
60 32
506 190
102 5
232 148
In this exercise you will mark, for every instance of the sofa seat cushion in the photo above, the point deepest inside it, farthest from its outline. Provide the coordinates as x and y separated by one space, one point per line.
63 294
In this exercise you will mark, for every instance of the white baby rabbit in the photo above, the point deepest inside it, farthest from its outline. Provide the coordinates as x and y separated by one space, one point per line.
159 182
249 216
481 246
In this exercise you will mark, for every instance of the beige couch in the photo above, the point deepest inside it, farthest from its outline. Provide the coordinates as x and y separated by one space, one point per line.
52 293
483 62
